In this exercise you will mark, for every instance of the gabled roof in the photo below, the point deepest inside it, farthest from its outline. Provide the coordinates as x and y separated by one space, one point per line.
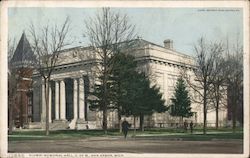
23 53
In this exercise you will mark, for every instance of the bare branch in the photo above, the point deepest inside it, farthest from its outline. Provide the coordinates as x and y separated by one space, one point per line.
47 45
106 30
11 48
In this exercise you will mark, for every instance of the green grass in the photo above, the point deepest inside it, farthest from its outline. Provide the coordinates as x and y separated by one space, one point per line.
200 137
54 135
212 134
152 133
180 130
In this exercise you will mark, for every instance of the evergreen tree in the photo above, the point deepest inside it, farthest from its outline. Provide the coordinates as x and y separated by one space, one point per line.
181 104
124 68
129 92
121 75
143 99
96 99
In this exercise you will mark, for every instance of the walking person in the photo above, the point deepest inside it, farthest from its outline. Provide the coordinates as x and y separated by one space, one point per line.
185 125
125 127
191 126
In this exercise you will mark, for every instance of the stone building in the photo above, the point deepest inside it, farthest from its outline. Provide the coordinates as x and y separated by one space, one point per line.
75 74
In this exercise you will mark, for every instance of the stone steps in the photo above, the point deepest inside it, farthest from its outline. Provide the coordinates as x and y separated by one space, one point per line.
64 125
59 125
34 125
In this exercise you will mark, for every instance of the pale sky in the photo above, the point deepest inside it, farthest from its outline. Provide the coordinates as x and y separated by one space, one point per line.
183 25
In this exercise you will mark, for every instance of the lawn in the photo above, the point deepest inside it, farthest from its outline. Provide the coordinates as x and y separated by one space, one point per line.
61 134
156 133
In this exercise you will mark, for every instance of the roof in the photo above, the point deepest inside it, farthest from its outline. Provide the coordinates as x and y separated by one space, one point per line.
23 53
143 42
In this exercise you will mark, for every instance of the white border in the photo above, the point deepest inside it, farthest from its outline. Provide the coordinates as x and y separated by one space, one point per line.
163 4
133 4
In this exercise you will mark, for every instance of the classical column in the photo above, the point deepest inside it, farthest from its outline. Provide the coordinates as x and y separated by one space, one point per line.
57 100
75 99
81 99
62 100
50 97
43 114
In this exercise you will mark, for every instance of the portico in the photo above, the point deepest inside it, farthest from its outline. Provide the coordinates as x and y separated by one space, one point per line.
66 99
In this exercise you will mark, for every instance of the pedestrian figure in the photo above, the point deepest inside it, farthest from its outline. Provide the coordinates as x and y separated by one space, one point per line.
185 125
191 126
125 127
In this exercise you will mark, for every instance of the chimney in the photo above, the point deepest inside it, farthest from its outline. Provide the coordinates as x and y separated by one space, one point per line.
168 43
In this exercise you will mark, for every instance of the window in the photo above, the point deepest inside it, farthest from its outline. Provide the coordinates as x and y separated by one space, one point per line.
30 100
29 110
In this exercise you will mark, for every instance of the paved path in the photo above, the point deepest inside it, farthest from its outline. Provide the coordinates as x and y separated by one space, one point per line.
130 145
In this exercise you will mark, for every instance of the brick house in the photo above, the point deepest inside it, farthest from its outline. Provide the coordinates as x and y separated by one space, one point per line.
21 65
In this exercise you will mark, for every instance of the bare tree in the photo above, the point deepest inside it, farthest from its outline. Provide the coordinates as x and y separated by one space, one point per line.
47 44
108 33
218 95
234 79
11 48
203 74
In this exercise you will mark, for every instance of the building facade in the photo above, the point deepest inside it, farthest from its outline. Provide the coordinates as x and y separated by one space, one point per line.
75 75
21 68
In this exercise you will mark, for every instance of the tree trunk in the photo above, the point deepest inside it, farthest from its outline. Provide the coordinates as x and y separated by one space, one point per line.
234 112
205 110
217 106
142 122
134 125
181 121
217 117
104 121
234 107
46 83
119 110
234 121
119 121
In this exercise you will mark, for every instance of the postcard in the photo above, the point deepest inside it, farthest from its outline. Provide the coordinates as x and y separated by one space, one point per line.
124 79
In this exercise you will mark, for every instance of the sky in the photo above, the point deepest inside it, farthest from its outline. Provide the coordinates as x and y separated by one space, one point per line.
183 25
